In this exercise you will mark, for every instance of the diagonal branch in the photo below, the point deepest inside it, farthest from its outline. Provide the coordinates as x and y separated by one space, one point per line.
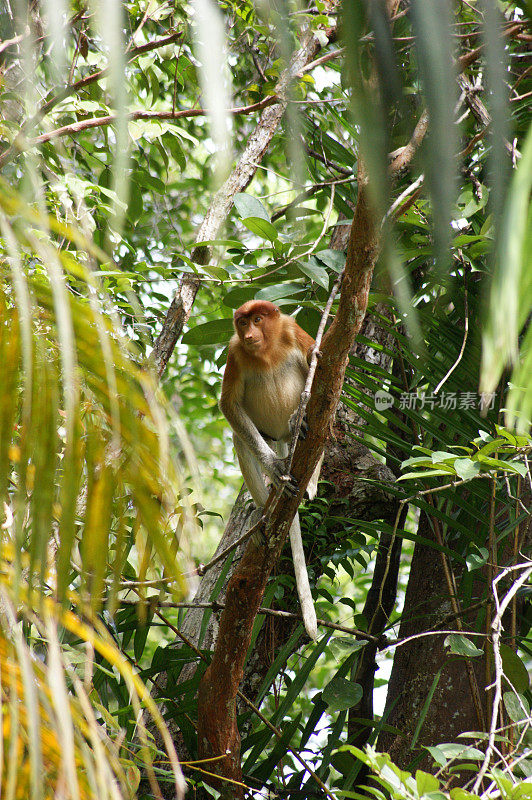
217 729
181 306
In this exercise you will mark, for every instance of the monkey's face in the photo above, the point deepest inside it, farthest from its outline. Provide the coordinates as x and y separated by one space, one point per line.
252 332
257 323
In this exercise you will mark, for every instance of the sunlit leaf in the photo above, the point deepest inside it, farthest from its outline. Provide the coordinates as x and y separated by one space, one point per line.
249 206
462 646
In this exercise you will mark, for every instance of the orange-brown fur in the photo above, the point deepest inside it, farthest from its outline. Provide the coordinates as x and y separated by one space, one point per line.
266 368
267 365
281 335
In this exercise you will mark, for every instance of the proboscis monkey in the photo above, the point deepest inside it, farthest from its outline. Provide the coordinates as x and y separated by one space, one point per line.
267 364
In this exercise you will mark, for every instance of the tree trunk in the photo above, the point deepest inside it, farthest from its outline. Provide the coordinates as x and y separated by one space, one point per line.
452 709
417 664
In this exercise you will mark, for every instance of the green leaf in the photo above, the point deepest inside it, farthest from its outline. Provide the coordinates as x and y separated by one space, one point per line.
419 461
439 456
476 560
248 206
261 227
335 259
340 694
313 270
278 291
426 782
493 446
438 756
237 297
514 669
425 709
214 332
215 272
517 706
513 439
442 753
461 794
525 766
430 473
462 646
466 468
343 644
141 634
501 466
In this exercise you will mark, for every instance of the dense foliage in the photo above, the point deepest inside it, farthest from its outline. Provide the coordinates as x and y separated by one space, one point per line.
124 128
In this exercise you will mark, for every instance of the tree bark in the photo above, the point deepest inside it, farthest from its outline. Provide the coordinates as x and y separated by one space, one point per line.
217 730
452 710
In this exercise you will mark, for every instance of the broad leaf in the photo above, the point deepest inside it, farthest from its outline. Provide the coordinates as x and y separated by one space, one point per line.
249 206
340 694
462 646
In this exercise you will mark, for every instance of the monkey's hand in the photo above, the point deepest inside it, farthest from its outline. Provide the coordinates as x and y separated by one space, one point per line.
292 422
310 352
275 469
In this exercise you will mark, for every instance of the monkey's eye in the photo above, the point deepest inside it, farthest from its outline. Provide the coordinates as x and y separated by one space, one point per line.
257 319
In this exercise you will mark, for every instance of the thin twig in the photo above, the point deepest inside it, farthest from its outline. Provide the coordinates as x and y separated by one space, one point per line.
269 612
397 202
424 634
15 40
462 348
203 568
290 749
323 60
496 627
309 193
322 233
520 97
404 158
108 119
76 54
326 161
457 612
72 88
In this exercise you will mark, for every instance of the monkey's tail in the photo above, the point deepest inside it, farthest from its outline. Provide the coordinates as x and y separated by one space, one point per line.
303 587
